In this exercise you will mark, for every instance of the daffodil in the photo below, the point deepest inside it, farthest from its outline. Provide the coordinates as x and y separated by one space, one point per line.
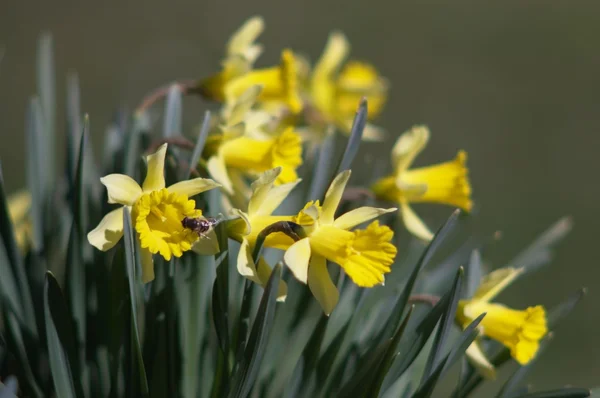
336 89
19 206
445 183
519 330
364 254
240 56
266 197
156 212
230 155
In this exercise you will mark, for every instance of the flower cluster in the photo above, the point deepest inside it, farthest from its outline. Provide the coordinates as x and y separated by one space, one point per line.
253 154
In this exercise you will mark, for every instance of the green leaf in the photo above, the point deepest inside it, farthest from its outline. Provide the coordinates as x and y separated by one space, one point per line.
73 108
539 253
46 85
358 126
446 323
16 264
561 311
567 392
62 345
141 124
173 112
322 171
243 380
38 181
200 142
8 287
474 273
436 242
137 366
9 388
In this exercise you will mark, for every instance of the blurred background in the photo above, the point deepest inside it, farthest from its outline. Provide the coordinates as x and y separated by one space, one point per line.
515 84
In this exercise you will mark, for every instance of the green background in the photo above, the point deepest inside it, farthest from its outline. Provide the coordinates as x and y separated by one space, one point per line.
514 83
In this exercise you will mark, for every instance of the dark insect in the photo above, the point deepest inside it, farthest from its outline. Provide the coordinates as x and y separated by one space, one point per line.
199 225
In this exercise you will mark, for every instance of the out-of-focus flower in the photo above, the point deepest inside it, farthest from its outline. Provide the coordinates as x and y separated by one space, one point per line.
266 197
445 183
365 255
240 56
157 212
518 330
335 90
19 206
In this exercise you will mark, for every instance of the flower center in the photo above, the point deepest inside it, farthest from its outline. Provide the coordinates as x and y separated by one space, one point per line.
157 216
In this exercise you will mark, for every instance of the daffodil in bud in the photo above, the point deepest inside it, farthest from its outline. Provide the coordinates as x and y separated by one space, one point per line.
365 254
242 52
336 89
446 183
266 197
519 330
156 212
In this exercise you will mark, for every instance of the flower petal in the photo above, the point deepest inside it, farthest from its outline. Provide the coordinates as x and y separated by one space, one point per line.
321 285
333 196
245 263
414 224
265 196
408 146
242 41
121 189
336 50
108 232
492 284
147 265
297 258
155 174
208 245
477 358
359 216
217 169
194 186
237 111
264 273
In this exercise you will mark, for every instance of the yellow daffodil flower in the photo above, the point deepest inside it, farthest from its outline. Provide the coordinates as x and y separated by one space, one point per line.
266 197
336 91
241 54
19 206
365 255
156 212
231 154
518 330
445 183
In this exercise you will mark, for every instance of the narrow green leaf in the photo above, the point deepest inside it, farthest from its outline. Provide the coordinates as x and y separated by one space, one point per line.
436 353
9 388
200 142
141 124
567 392
358 126
37 173
73 109
558 313
62 344
398 310
243 380
21 353
474 273
8 286
16 264
46 85
138 369
173 112
322 171
79 197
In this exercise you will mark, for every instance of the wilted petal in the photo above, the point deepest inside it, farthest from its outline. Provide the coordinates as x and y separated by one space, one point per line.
121 189
297 258
108 232
321 285
359 216
155 174
333 196
414 224
194 186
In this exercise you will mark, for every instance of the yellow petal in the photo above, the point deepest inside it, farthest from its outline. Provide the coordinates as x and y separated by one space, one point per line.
265 196
333 196
321 285
244 227
297 257
208 245
194 186
492 284
260 274
108 232
414 224
121 189
358 216
477 358
19 204
408 146
217 169
147 265
237 111
155 174
242 41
